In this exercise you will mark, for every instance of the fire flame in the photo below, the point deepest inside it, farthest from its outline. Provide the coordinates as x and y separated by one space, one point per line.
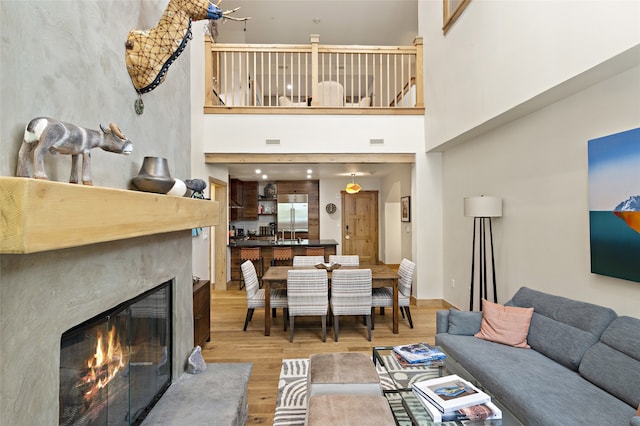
104 364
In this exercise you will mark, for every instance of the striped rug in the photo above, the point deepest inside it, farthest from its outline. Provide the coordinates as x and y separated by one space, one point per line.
291 404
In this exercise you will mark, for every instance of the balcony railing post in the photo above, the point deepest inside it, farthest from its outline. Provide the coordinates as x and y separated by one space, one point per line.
418 43
315 41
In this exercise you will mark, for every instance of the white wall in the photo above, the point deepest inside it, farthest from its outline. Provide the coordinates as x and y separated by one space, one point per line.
538 165
500 54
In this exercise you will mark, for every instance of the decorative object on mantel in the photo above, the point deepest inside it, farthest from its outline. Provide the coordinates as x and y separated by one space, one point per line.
482 209
154 176
45 134
353 187
179 189
149 53
197 187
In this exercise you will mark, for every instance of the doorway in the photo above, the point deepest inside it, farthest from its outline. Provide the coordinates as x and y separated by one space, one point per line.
360 225
218 236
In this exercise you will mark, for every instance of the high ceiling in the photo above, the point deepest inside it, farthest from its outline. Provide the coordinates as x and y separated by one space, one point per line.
346 22
373 22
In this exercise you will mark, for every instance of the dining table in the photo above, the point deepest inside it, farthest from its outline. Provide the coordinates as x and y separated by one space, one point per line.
276 277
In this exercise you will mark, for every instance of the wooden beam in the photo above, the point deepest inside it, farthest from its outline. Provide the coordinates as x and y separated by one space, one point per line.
39 215
249 158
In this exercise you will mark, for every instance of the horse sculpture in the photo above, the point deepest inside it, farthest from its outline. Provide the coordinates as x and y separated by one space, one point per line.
149 53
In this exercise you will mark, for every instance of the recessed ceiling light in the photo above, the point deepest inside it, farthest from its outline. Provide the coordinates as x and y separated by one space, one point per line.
258 171
264 176
289 86
308 176
309 171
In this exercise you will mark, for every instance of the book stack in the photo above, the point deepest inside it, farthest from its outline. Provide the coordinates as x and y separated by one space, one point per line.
452 398
418 354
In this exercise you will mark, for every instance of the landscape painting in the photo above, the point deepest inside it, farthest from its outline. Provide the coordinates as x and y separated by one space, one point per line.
614 205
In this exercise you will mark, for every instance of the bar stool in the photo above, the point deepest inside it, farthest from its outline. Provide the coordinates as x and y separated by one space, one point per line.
314 251
284 254
253 254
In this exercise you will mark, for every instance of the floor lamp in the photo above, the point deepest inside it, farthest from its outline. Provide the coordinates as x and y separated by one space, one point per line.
482 209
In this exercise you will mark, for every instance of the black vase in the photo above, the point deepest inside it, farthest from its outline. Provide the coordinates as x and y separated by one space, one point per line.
154 176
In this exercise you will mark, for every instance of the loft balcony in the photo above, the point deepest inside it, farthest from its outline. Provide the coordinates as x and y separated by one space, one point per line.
313 79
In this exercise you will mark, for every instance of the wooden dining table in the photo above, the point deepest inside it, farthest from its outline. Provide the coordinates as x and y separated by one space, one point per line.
276 277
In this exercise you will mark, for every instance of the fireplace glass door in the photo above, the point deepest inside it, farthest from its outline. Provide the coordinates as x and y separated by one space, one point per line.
115 366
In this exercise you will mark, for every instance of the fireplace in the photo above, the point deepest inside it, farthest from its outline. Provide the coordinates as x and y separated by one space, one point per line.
115 366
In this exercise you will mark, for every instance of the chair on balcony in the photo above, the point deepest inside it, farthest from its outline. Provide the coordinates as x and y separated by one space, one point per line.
383 297
307 260
351 295
308 295
330 94
255 295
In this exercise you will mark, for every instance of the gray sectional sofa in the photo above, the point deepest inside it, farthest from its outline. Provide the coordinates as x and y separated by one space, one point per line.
583 367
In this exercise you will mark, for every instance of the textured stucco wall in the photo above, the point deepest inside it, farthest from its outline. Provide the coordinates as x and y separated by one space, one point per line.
65 59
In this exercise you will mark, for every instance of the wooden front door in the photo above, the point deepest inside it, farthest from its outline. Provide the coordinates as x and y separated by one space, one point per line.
360 225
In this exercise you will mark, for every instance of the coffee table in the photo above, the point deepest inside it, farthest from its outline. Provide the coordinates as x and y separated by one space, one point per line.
406 408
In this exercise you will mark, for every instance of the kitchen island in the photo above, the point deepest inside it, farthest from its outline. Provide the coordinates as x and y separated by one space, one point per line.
298 249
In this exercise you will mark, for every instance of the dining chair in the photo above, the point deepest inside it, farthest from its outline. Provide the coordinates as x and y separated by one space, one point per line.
255 295
307 260
383 297
351 295
345 259
308 295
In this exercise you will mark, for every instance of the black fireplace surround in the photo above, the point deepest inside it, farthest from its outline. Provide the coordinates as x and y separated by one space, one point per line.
115 366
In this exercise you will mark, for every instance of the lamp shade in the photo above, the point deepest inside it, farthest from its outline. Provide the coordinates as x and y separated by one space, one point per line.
483 206
353 187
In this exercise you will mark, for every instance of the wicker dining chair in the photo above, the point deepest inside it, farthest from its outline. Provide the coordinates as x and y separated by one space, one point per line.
255 295
307 260
383 297
345 259
351 295
308 295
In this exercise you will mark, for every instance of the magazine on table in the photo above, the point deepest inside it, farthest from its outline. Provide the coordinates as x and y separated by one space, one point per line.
450 393
486 411
419 352
428 363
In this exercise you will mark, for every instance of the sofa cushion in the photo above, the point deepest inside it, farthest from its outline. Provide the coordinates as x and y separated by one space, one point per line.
537 390
561 328
614 362
508 325
463 322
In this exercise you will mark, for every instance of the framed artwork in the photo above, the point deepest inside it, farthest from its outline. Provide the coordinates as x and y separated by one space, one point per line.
405 209
452 10
614 205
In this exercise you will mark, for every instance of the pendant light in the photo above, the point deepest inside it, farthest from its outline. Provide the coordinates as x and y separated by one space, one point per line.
353 187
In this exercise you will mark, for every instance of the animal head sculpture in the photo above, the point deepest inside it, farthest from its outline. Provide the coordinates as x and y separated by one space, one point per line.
149 53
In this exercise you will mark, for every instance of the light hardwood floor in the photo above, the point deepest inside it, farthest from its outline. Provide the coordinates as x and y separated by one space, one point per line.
230 344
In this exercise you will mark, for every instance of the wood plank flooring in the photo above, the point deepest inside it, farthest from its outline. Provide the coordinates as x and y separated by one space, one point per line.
230 344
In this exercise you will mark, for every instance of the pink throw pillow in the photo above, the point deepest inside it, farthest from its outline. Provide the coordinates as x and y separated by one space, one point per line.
508 325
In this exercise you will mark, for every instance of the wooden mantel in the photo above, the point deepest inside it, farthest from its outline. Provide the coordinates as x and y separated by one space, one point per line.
40 215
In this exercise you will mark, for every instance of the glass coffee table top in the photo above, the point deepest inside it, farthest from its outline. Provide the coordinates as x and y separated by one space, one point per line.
406 408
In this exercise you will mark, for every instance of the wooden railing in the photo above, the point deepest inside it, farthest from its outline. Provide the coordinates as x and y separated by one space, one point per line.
314 78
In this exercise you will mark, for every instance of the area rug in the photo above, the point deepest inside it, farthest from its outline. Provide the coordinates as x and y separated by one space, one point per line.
291 404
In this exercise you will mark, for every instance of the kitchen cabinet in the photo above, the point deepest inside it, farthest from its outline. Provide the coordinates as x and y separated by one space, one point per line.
250 200
244 200
201 312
